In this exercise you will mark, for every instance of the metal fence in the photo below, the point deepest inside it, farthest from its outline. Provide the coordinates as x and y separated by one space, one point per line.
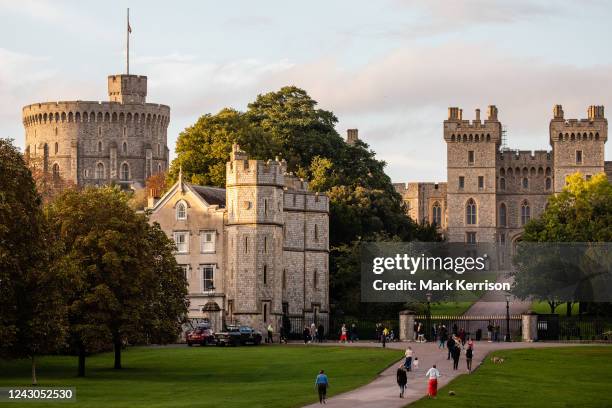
475 327
574 328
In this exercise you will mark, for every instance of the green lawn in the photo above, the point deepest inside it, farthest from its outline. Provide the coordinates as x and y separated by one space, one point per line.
551 378
450 308
264 376
544 308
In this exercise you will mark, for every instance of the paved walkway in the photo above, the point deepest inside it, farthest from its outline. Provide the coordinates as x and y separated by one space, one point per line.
383 392
494 303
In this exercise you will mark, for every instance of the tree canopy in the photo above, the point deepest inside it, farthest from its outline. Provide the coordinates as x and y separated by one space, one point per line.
33 314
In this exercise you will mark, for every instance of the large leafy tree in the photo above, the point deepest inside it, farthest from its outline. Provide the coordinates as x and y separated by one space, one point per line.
32 318
288 124
582 212
117 265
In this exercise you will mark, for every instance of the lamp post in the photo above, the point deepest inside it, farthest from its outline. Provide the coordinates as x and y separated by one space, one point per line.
428 295
507 317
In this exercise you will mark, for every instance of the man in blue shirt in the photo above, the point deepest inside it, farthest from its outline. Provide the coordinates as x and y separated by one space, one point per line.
321 384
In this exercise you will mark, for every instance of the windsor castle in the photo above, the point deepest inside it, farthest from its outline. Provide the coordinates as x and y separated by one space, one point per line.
492 191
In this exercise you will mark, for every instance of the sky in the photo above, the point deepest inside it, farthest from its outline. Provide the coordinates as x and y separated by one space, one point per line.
390 68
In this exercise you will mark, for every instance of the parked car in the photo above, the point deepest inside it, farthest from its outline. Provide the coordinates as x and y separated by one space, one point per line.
201 335
238 335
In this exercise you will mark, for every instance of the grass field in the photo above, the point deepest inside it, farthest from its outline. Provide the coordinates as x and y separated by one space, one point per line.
551 378
264 376
450 308
544 308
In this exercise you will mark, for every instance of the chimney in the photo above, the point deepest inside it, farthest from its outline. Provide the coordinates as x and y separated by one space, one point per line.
477 115
352 135
153 198
492 113
596 112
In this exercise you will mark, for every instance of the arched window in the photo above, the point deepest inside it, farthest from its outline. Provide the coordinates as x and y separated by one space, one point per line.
56 171
502 183
525 212
502 215
525 182
99 171
181 211
125 172
159 168
56 147
436 212
548 183
470 212
124 147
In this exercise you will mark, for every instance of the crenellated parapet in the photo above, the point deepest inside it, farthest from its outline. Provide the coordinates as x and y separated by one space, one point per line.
457 129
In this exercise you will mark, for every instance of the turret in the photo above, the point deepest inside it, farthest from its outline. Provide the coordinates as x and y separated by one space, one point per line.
127 88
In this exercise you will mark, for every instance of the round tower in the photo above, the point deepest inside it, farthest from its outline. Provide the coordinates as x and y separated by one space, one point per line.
121 141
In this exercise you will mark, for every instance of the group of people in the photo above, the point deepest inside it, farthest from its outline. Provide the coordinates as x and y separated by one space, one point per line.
313 333
348 334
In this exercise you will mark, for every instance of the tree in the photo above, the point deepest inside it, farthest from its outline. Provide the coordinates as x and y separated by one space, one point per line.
48 185
582 212
33 313
105 251
288 124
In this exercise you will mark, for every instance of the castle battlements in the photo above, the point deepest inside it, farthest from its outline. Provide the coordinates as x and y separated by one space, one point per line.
457 129
524 156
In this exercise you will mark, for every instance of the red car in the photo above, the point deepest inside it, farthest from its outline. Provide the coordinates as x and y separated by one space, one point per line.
201 335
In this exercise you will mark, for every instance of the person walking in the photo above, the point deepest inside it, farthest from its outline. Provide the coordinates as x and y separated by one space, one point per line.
408 362
402 379
432 384
320 332
343 334
456 353
270 334
385 333
321 384
462 336
354 334
469 354
443 337
421 334
306 334
450 344
490 331
313 332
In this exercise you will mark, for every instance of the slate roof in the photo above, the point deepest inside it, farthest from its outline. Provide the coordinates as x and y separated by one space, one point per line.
212 195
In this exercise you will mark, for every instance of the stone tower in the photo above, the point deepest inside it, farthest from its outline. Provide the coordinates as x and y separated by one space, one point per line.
254 202
471 191
578 145
122 141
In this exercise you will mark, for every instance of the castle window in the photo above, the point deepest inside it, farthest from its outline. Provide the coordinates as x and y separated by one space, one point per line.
181 211
246 245
525 212
125 172
207 241
185 269
56 171
159 167
548 171
548 183
284 278
480 182
99 171
470 237
124 131
316 233
314 279
265 274
181 239
265 245
502 215
578 156
208 277
436 212
502 183
56 147
470 212
265 200
158 150
525 182
124 148
99 130
461 182
502 239
471 157
99 146
502 172
265 312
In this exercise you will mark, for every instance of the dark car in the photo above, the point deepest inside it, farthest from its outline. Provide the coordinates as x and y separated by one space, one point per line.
201 335
238 335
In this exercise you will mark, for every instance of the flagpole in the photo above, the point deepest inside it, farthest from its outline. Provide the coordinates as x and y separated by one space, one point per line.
127 29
